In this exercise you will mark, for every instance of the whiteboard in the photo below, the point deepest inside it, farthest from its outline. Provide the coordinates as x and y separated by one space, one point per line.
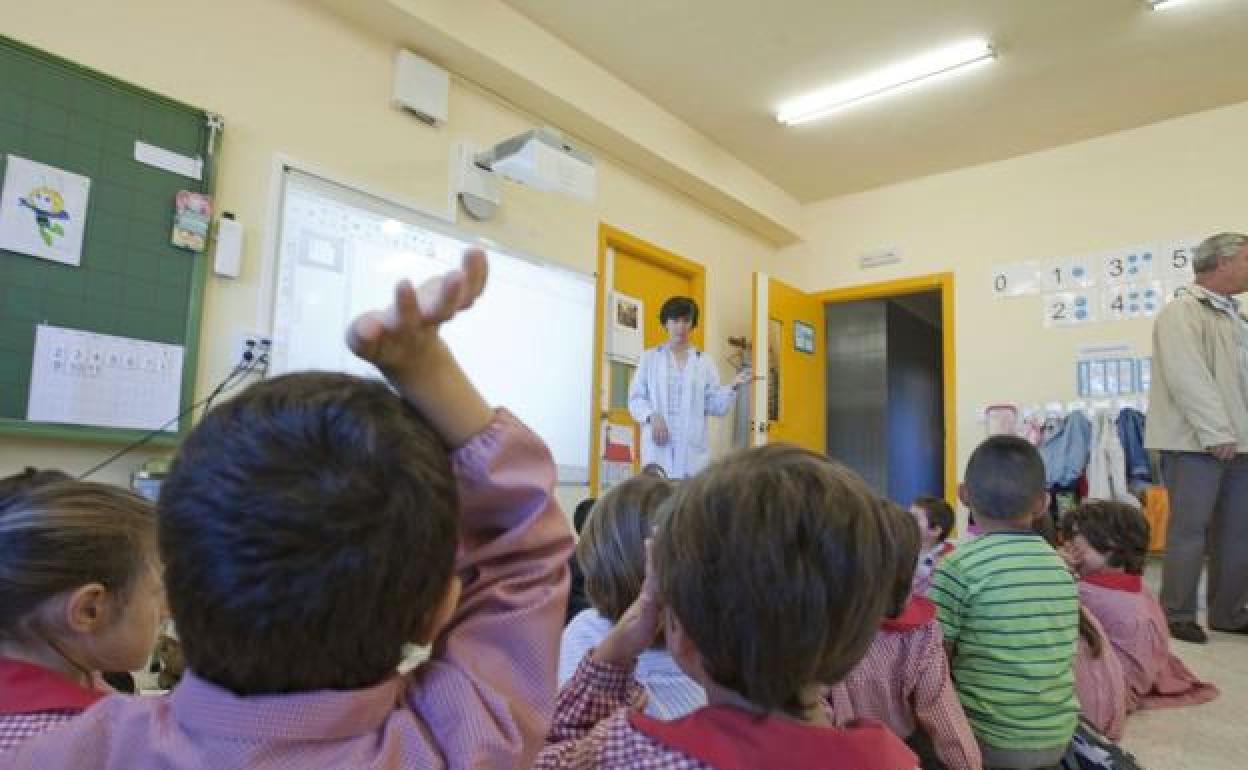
527 343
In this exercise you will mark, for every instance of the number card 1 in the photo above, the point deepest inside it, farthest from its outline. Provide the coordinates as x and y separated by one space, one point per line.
1015 280
1067 274
1068 308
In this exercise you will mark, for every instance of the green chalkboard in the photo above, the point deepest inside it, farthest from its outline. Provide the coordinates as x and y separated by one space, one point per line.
131 282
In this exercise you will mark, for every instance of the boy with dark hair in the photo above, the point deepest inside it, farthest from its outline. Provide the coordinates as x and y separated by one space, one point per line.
1010 614
679 309
1107 544
766 574
314 525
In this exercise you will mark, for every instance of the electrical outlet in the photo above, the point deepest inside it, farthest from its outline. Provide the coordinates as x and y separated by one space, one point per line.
252 351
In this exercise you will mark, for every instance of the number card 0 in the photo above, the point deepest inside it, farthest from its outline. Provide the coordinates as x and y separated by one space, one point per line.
1015 280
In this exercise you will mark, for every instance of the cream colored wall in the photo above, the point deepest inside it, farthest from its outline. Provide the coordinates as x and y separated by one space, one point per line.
1173 179
294 80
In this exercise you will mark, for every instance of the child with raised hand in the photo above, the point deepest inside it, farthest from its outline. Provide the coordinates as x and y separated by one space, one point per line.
314 525
765 577
612 557
904 679
1009 611
80 594
1107 544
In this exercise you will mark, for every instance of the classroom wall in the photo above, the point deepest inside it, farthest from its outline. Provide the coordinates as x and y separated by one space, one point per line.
1173 179
291 79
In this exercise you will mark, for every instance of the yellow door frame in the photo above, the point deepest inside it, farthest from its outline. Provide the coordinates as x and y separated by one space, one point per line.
944 283
617 240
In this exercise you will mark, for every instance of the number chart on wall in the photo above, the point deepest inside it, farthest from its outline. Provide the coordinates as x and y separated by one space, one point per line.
1115 285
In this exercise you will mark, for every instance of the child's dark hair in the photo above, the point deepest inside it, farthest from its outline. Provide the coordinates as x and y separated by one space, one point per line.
1115 529
939 514
581 514
773 560
309 529
1042 525
29 479
679 307
1005 479
612 549
906 539
59 536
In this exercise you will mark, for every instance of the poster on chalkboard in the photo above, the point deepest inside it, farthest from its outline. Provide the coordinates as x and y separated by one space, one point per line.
43 211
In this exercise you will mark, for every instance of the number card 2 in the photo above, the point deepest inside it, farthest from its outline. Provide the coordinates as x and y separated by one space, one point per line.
1068 308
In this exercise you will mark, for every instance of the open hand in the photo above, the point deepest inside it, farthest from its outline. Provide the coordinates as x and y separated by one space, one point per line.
659 431
638 627
402 339
1224 452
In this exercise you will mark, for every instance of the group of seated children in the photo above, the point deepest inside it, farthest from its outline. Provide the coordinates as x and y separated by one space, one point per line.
759 615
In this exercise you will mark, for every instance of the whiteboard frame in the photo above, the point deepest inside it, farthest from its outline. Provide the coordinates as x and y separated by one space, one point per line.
443 222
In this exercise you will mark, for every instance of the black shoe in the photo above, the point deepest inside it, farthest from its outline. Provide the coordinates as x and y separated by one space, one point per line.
1240 630
1188 631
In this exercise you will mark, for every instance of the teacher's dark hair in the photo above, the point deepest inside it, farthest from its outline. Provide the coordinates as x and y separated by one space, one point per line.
677 308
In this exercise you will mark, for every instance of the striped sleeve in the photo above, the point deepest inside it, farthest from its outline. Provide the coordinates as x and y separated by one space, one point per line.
948 591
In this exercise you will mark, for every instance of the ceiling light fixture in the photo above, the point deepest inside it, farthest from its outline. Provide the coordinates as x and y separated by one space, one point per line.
954 58
1161 5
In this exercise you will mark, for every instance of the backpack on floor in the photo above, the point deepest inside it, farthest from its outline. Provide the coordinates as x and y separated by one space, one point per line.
1089 750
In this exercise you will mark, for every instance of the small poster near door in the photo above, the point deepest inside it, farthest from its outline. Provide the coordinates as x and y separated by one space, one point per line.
803 337
626 339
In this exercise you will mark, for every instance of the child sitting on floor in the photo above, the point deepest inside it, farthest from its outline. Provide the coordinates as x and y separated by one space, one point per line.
904 679
1107 543
1009 611
768 577
317 523
80 593
935 518
612 556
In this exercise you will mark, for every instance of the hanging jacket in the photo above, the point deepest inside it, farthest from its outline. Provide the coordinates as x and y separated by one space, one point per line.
1131 426
1065 448
1107 465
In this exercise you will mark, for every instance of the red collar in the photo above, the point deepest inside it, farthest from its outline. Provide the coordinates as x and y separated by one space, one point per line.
1117 581
919 612
727 738
946 548
27 689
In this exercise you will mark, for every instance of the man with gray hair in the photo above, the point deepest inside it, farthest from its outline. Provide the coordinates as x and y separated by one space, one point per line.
1198 418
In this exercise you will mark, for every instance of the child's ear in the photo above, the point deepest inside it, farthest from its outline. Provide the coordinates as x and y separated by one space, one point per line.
88 609
441 614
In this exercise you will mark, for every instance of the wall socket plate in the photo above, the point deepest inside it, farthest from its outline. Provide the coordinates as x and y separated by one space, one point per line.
251 350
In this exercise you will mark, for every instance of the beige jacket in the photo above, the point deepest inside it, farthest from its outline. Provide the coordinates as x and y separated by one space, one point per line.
1198 397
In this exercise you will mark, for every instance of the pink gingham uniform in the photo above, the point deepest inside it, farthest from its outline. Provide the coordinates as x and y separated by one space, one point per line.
1101 685
34 699
595 728
483 701
904 682
1137 629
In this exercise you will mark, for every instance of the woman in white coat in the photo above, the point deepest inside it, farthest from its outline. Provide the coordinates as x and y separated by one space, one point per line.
674 389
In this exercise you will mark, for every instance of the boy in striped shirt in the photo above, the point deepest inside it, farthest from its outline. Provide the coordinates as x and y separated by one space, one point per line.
1009 611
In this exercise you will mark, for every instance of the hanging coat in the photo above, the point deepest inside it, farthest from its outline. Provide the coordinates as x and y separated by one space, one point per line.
687 453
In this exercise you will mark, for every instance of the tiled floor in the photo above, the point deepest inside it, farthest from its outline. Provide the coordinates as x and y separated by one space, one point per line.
1209 737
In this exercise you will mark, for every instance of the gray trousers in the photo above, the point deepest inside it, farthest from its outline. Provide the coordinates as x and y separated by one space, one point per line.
1208 510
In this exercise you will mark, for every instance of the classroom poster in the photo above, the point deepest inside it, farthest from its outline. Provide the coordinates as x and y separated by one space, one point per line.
626 327
43 211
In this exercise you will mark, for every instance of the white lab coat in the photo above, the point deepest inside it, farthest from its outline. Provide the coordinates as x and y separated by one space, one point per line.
685 455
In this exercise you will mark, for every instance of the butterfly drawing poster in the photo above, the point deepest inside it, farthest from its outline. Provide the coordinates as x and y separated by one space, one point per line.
43 211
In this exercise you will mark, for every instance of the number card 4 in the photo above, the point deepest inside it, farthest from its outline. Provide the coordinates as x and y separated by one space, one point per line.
1133 300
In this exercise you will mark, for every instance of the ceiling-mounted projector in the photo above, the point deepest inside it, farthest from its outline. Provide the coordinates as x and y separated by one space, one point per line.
541 159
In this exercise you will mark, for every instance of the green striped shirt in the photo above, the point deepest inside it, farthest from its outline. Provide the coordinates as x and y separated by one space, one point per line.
1010 607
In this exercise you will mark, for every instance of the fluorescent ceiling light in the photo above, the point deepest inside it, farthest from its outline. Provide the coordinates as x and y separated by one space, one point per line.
952 58
1161 5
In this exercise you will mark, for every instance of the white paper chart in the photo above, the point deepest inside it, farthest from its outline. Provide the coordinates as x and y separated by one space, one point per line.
83 378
